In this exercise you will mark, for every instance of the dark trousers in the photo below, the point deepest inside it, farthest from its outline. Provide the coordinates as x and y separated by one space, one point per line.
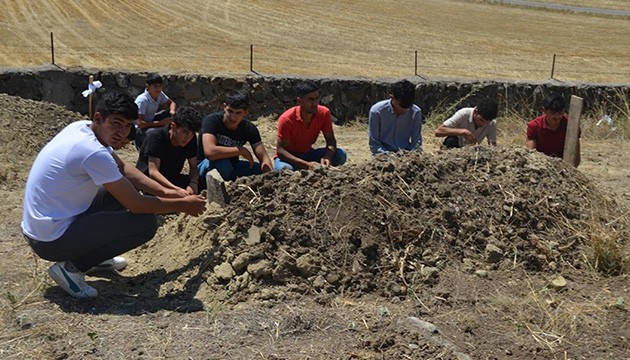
451 142
105 230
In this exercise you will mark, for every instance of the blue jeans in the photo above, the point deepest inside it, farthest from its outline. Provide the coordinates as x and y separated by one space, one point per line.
229 169
314 155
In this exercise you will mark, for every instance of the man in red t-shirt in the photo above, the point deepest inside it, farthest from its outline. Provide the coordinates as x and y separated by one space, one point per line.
547 132
299 128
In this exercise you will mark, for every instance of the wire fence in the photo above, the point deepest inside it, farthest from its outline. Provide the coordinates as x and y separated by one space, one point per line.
336 61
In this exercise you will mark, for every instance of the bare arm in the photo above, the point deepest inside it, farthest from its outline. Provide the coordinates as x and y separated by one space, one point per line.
213 151
126 194
262 156
193 187
172 107
443 131
155 174
531 144
142 182
331 144
142 124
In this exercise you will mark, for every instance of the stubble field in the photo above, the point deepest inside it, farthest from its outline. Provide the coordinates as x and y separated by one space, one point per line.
453 39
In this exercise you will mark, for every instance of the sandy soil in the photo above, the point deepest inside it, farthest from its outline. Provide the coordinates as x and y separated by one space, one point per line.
448 255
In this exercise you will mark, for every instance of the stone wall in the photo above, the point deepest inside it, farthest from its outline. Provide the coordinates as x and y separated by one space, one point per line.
347 98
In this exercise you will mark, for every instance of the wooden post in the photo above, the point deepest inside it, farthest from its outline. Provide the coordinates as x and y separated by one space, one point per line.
553 65
90 97
416 65
251 57
571 140
52 48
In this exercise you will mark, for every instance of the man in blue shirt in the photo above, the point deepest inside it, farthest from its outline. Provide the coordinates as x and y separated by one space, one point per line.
396 123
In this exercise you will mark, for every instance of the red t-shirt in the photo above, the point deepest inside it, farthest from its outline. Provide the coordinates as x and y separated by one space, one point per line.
549 142
301 137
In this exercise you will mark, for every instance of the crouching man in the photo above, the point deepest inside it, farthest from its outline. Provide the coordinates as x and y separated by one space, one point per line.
82 207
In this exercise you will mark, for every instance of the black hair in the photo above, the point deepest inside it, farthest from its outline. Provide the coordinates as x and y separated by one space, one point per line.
154 78
305 87
187 117
238 100
487 109
119 103
554 102
404 91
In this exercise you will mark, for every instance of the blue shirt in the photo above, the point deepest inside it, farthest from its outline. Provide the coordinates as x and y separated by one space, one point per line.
390 132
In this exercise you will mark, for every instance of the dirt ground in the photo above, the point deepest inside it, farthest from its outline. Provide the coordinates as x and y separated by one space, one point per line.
475 253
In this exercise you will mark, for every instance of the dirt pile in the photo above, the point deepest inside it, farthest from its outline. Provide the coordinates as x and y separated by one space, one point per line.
391 225
27 126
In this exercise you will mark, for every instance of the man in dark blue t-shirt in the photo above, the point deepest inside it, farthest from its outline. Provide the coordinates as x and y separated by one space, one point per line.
165 149
222 138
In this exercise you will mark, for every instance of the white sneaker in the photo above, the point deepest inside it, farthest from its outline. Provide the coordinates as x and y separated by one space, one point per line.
72 282
115 263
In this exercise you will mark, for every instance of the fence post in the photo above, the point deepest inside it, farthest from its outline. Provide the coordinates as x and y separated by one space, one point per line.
251 58
52 48
553 65
416 66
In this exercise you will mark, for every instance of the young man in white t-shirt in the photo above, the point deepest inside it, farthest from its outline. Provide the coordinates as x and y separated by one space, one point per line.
82 207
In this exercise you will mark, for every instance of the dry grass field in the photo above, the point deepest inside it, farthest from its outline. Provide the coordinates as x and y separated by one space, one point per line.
379 38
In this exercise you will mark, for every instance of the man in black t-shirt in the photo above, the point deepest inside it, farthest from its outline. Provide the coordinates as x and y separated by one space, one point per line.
222 138
164 151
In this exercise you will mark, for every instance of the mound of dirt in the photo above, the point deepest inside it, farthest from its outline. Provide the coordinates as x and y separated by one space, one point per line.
31 123
27 126
393 224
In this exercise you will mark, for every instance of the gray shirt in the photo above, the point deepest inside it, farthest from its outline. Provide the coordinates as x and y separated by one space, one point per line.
463 119
390 132
147 106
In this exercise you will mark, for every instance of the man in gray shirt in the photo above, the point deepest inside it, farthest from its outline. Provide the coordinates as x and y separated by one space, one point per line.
396 123
470 125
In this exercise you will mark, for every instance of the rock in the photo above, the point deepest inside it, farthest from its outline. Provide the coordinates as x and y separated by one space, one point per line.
425 326
241 261
306 265
253 235
481 273
319 282
493 254
216 188
224 271
261 268
558 283
429 272
333 278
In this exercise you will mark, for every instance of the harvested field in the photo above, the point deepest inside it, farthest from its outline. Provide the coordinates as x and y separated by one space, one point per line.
453 38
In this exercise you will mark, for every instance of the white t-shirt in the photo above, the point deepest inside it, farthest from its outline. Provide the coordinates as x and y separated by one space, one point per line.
463 119
147 107
64 179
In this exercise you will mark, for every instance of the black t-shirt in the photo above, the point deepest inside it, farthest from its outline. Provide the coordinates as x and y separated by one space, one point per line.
213 124
157 144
